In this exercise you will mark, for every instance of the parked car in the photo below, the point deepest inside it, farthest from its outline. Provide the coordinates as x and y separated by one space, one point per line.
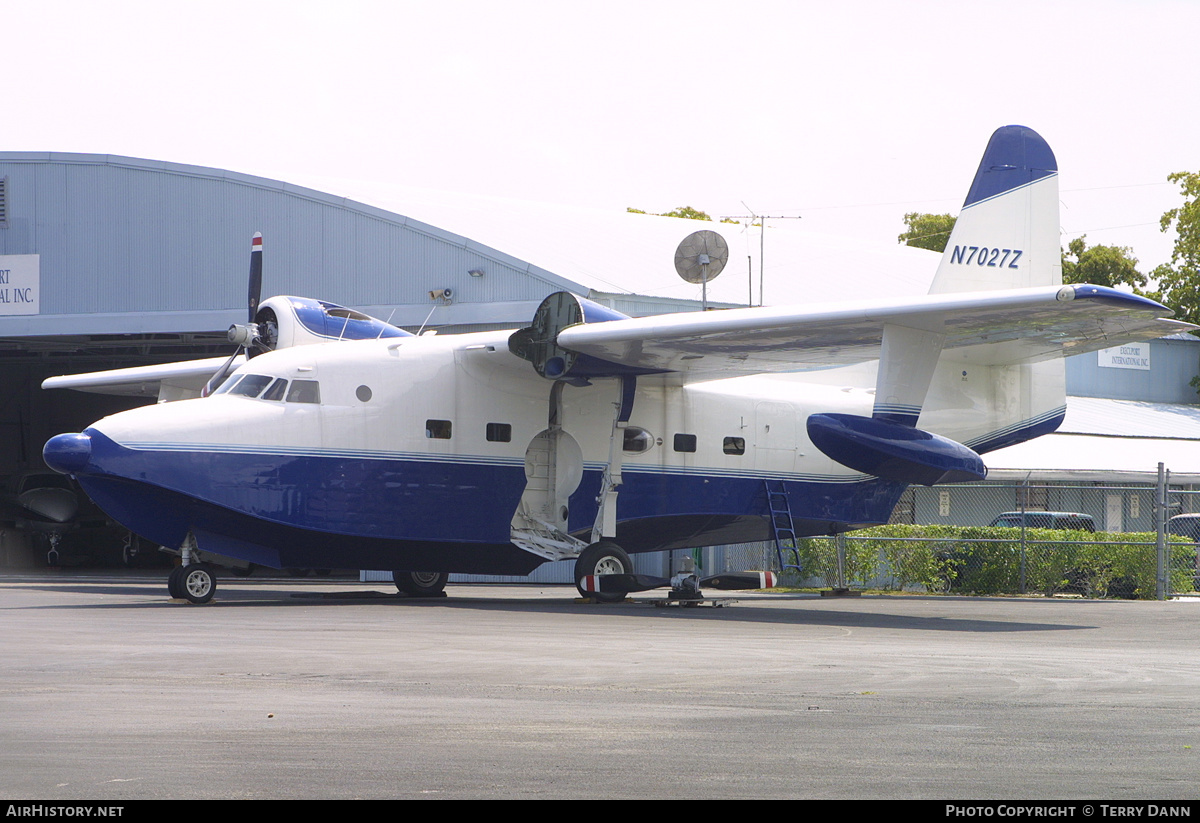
985 568
1187 526
1069 521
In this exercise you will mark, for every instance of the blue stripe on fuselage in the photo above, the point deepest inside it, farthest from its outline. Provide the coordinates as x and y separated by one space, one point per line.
163 492
370 509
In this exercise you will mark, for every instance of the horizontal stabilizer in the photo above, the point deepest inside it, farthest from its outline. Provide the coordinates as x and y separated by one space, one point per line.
893 451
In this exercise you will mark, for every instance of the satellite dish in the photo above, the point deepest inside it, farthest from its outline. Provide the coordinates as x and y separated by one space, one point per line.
700 257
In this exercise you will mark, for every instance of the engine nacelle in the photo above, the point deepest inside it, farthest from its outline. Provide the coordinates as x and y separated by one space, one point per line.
286 321
538 342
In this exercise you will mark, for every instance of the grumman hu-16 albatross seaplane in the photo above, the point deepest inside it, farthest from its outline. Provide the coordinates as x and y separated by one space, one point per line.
342 441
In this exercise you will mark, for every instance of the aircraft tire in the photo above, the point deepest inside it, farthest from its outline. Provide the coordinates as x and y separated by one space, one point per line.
602 557
420 584
174 584
198 583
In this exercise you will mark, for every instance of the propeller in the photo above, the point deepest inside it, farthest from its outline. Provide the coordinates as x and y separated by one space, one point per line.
245 337
630 583
734 581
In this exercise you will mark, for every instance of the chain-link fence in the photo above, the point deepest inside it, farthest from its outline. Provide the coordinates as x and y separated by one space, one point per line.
1090 540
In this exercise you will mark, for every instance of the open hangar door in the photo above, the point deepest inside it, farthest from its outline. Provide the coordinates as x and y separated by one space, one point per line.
35 503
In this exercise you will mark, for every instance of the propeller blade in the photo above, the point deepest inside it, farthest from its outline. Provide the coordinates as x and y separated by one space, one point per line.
255 291
734 581
217 379
244 336
622 583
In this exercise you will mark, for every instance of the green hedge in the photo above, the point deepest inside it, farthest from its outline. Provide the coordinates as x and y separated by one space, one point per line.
957 558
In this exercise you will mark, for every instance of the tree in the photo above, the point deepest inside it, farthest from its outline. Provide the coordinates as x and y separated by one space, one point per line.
927 231
1101 265
686 212
1179 280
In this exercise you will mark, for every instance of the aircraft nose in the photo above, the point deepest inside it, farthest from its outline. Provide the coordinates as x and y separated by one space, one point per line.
68 453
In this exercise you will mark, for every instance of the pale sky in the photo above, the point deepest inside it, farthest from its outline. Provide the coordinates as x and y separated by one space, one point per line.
848 114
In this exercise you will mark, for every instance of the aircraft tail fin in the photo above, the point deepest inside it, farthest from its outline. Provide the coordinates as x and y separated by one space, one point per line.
1007 234
1006 237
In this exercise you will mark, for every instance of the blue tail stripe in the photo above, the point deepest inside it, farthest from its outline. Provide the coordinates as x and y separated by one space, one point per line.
1015 156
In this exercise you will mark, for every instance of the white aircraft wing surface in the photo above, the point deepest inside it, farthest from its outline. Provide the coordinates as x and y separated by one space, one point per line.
983 328
186 377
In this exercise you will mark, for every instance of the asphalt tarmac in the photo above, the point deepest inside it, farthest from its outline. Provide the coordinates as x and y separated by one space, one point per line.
111 691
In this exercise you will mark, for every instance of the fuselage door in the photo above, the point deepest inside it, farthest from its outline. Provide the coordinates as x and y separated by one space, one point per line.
775 436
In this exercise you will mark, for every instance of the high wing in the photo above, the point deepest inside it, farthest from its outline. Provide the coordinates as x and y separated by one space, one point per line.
167 381
983 328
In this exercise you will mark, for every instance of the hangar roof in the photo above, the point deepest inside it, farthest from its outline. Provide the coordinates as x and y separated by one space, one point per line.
1111 441
104 219
622 253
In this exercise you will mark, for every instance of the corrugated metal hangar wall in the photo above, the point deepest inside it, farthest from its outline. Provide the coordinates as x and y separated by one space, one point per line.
107 262
134 246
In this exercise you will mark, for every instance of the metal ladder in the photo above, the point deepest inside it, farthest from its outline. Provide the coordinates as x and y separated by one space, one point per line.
782 528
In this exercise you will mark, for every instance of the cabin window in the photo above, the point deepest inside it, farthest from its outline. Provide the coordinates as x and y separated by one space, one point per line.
251 385
304 391
363 393
734 445
437 429
637 440
499 432
277 390
685 442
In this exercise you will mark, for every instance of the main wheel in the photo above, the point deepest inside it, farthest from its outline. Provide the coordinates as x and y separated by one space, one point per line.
604 557
175 583
198 583
420 584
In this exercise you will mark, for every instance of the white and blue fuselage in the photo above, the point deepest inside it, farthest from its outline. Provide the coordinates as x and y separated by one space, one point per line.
415 451
494 452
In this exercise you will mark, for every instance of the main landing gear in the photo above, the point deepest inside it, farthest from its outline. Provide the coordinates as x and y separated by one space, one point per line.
196 583
602 558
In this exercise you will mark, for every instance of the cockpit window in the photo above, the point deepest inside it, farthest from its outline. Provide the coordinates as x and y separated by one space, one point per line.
276 392
228 384
251 385
304 391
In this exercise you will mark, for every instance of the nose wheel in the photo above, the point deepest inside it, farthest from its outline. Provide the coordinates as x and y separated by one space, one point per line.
420 584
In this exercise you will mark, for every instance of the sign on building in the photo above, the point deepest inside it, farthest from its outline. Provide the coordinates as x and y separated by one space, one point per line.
1129 356
20 283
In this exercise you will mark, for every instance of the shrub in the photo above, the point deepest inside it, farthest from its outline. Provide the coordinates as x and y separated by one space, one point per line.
979 560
